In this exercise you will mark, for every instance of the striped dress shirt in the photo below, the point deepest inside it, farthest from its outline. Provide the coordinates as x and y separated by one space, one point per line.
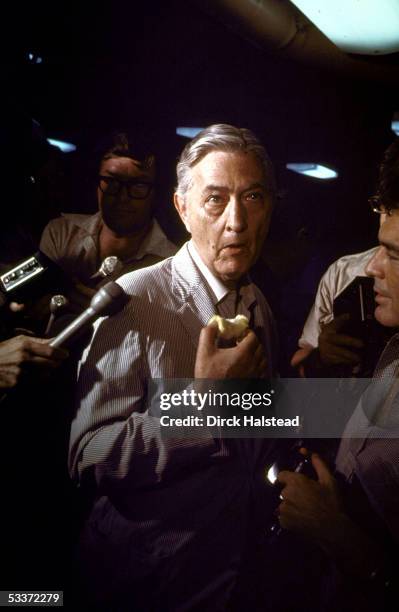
165 507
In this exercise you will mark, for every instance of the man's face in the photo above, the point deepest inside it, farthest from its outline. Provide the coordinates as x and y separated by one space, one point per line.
125 179
384 267
227 211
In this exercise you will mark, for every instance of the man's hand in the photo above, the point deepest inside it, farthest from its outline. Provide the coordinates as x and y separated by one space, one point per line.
245 360
313 508
336 348
309 507
23 354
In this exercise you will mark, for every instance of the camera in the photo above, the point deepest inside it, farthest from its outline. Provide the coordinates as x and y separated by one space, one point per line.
357 301
30 279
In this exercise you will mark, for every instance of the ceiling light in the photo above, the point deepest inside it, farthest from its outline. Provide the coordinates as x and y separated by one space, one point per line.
395 123
34 59
356 26
188 132
314 170
66 147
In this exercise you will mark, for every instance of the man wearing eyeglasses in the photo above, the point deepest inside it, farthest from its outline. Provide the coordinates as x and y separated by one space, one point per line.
123 227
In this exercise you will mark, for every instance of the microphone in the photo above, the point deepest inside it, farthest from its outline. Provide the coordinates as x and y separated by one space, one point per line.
57 304
107 301
110 266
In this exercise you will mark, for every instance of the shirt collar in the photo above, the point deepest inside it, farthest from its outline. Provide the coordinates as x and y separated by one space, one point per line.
89 223
218 288
247 293
155 243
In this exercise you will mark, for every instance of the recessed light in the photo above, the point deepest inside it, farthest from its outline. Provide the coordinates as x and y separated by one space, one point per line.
314 170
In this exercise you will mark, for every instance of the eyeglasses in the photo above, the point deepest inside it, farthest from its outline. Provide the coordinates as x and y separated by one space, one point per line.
377 206
136 188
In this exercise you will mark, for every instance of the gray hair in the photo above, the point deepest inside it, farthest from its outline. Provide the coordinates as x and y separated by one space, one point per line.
221 137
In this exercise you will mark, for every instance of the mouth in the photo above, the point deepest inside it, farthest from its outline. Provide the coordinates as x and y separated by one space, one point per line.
380 296
124 209
234 248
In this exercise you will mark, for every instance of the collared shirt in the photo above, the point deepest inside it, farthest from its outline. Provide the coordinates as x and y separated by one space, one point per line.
218 288
72 241
338 276
369 449
152 481
228 302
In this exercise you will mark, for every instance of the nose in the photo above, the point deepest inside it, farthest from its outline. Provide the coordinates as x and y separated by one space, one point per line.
237 216
375 266
123 194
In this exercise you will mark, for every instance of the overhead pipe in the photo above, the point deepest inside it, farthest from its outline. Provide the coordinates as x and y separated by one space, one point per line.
281 28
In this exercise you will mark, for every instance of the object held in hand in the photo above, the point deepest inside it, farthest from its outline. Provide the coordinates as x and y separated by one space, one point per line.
293 461
31 279
230 329
57 302
110 265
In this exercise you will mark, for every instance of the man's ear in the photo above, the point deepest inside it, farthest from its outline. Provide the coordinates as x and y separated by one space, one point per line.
181 207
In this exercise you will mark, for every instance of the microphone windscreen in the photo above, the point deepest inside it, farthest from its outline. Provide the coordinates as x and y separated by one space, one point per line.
109 299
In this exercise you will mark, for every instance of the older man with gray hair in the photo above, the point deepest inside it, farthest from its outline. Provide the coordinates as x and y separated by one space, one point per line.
169 524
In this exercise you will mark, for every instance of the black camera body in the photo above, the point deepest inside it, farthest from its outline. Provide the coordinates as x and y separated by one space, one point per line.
32 278
357 301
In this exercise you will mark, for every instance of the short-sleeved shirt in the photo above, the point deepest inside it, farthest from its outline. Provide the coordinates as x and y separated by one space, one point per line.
338 276
72 241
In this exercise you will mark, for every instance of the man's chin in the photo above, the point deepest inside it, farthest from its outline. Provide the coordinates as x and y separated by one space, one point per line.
123 229
385 317
232 275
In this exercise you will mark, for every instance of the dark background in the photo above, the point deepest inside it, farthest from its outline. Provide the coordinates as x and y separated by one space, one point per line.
152 66
164 64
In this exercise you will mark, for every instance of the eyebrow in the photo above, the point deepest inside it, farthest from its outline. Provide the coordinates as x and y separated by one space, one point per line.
222 188
108 173
111 174
255 186
214 188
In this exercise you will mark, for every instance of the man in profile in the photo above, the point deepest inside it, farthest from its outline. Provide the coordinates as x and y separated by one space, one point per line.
354 515
171 518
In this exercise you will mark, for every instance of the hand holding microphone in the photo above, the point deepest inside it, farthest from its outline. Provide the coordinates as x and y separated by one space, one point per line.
23 354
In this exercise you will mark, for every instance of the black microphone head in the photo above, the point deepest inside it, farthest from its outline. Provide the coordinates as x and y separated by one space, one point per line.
109 299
